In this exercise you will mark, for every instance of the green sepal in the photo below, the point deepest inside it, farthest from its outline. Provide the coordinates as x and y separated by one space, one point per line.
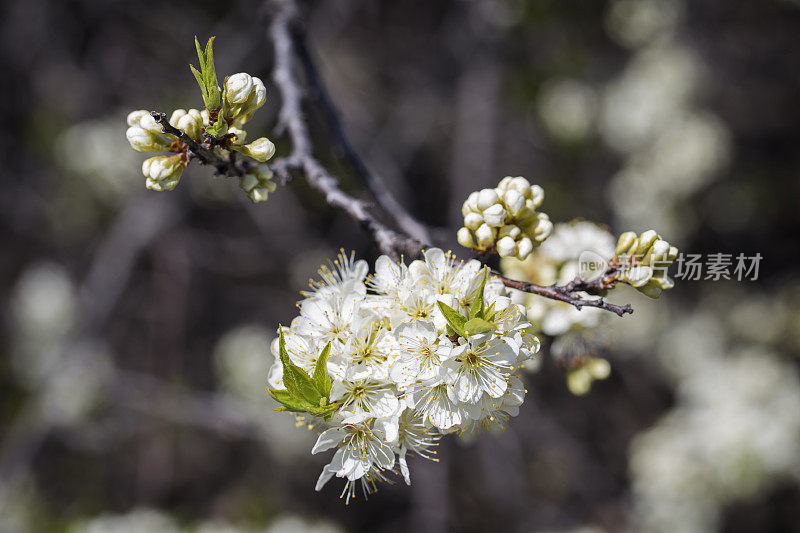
218 129
476 309
454 319
475 326
320 378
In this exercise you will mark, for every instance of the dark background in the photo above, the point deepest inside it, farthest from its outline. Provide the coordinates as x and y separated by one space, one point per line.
132 320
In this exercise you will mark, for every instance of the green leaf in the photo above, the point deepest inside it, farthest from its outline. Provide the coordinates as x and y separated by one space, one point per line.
320 378
489 313
207 76
324 411
297 382
476 309
289 402
453 318
474 326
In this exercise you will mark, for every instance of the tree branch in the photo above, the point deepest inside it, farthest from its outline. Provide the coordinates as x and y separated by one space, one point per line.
571 292
371 181
203 152
302 160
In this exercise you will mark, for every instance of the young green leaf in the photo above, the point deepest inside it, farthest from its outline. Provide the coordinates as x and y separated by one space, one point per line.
476 309
289 402
207 76
453 318
474 326
297 382
321 379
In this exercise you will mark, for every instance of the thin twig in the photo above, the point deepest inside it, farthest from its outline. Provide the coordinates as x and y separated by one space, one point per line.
229 166
569 293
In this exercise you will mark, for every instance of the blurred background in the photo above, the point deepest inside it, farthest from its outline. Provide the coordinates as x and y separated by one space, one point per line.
135 325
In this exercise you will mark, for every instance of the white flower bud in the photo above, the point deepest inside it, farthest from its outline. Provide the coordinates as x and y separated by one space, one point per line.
543 228
471 204
486 198
504 183
625 242
599 368
163 172
524 247
259 96
646 241
261 149
515 202
536 195
189 121
142 140
258 183
495 215
520 185
511 230
238 88
506 247
485 236
135 116
473 221
465 239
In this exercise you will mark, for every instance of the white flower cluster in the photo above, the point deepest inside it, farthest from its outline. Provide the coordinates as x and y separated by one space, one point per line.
505 218
413 352
242 96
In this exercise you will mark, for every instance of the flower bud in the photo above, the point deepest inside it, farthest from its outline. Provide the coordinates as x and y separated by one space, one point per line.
258 183
495 215
485 236
473 221
515 202
487 198
470 204
238 88
189 121
261 149
511 230
537 195
465 239
506 247
524 247
625 242
135 116
142 140
646 241
543 228
163 172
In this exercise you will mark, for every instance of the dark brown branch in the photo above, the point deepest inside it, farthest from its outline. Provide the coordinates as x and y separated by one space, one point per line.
302 160
570 293
203 152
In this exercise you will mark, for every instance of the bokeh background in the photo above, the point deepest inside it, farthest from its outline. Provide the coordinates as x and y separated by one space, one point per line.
135 325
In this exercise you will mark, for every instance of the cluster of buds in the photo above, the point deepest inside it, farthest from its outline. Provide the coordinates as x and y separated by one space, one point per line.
644 261
145 135
257 183
505 219
582 373
218 127
243 95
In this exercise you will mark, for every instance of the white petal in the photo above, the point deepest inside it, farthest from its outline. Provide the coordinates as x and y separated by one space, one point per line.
324 477
328 439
